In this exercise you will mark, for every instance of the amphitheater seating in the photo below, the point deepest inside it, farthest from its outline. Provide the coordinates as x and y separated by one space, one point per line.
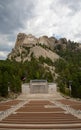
41 114
74 104
8 104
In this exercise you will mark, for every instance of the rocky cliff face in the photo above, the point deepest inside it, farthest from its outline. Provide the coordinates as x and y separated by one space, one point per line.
23 39
28 45
30 40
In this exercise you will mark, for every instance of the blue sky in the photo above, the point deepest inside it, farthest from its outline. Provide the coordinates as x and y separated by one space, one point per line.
38 17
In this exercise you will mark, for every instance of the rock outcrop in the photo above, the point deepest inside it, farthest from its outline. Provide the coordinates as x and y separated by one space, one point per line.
45 46
30 40
27 44
23 39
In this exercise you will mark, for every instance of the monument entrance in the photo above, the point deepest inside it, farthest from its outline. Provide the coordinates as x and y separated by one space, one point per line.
38 86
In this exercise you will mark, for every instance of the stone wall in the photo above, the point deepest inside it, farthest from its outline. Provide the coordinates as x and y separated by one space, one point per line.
25 88
39 89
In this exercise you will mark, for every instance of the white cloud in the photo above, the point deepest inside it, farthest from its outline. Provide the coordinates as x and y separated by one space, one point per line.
3 54
54 17
5 43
